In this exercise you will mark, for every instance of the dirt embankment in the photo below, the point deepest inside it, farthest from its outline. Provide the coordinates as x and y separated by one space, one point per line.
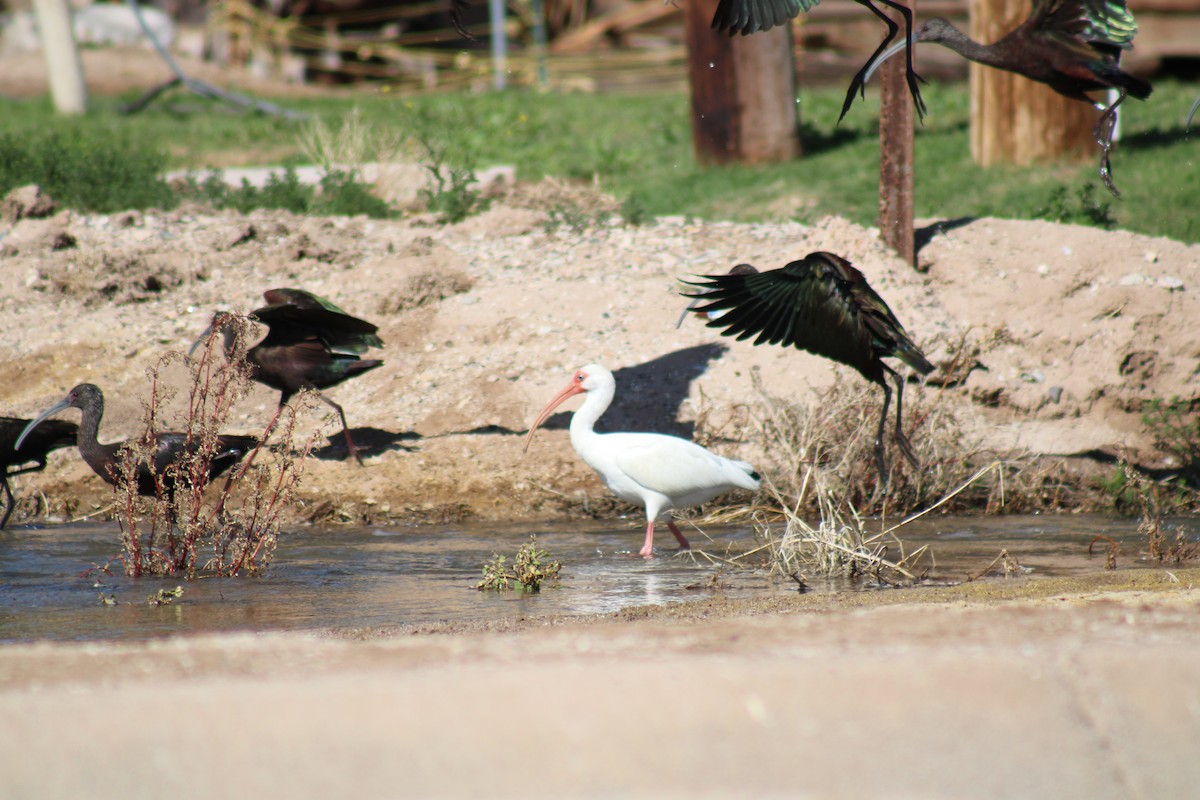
1075 328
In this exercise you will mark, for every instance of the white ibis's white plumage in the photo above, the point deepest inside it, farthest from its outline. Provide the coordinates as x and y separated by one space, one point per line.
657 471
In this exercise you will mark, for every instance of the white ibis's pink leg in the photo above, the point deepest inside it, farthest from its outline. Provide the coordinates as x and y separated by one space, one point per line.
648 548
679 537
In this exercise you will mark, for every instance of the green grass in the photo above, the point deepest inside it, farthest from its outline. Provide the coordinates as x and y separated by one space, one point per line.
639 148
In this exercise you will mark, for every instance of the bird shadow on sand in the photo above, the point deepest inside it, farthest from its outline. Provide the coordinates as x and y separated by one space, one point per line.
650 395
368 441
923 236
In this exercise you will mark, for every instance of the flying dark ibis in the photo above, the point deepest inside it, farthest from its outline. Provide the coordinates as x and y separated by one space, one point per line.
310 344
749 16
824 305
653 470
165 448
1072 46
49 436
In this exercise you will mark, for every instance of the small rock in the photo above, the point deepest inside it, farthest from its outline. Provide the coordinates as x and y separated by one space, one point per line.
1170 282
1055 394
26 202
1132 279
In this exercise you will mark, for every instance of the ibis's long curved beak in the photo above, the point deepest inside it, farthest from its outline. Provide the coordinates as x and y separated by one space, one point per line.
201 339
695 302
884 56
1192 113
39 419
572 389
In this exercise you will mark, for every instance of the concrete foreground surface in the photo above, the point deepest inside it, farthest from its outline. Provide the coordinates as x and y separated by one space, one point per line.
1092 695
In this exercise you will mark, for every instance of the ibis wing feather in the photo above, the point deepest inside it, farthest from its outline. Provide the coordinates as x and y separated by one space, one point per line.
676 467
1086 27
820 303
751 16
299 307
801 305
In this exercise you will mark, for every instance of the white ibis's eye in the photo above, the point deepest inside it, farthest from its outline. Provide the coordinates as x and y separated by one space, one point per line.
579 376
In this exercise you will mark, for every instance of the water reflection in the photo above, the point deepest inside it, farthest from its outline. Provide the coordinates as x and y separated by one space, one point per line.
363 578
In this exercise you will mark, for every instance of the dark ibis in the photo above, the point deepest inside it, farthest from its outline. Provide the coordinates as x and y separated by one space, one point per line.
49 436
310 344
748 16
1072 46
824 305
654 470
165 448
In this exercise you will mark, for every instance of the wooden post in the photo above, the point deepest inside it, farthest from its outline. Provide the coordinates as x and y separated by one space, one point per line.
896 114
1013 119
67 86
743 91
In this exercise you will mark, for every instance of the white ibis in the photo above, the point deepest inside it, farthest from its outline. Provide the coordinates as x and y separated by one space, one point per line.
657 471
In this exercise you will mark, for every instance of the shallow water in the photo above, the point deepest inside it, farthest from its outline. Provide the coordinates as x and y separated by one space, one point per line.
361 578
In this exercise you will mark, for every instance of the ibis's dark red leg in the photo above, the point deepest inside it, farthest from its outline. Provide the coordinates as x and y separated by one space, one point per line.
8 505
684 544
901 439
880 460
858 83
345 428
1103 133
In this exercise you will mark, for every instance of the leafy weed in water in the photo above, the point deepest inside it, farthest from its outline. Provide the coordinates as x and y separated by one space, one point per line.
531 568
190 530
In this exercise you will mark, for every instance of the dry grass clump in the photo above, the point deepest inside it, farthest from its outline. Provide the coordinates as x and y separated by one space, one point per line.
353 143
822 467
839 545
831 443
225 532
1155 500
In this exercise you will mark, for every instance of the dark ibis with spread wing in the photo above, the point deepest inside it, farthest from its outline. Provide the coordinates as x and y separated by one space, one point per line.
749 16
310 344
167 451
824 305
49 436
1072 46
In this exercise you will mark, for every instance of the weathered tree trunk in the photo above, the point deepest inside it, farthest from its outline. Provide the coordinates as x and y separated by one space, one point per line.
1013 119
67 85
743 92
896 114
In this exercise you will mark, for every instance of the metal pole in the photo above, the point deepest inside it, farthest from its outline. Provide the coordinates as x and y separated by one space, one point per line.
896 158
499 44
539 43
62 58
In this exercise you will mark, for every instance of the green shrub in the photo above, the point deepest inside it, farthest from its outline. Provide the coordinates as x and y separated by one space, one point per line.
85 170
